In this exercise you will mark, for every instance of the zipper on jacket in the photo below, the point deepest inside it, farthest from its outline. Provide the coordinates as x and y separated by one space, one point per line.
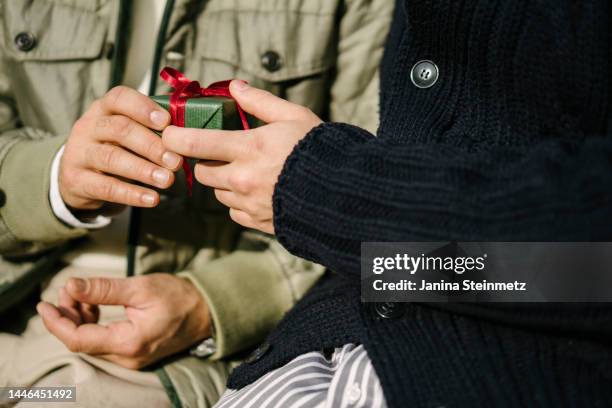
135 212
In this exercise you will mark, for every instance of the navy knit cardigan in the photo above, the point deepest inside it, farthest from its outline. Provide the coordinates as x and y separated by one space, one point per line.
513 142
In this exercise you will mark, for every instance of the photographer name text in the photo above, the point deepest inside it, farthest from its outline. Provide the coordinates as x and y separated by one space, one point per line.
464 285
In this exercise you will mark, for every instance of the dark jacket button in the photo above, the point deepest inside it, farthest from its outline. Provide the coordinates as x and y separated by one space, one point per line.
25 41
424 74
258 353
2 198
389 310
271 61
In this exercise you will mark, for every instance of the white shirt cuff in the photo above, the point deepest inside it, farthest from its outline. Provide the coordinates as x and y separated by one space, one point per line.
59 207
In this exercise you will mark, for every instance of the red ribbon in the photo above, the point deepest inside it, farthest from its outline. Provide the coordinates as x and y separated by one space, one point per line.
184 88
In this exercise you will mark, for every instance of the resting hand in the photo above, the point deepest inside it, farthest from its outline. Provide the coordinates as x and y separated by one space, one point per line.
243 166
165 314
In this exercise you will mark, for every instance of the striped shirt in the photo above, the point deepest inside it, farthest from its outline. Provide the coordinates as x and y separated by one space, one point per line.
346 379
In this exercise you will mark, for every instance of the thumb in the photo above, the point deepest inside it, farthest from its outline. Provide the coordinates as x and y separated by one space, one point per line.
100 291
262 104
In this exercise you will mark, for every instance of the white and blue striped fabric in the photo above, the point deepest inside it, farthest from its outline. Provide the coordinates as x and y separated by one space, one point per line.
347 379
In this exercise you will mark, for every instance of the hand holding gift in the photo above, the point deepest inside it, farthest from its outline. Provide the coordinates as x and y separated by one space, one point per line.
243 166
113 144
193 106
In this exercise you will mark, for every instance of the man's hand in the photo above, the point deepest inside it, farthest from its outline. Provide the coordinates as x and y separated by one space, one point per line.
165 315
243 166
113 142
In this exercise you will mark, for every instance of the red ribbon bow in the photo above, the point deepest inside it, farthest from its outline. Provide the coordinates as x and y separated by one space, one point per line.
184 88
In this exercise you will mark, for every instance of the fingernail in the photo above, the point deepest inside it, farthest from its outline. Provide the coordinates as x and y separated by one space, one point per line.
240 85
161 176
79 284
171 160
158 118
148 199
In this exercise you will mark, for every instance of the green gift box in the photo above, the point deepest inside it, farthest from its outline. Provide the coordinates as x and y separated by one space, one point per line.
209 112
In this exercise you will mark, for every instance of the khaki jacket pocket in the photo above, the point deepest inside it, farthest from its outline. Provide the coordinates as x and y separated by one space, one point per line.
286 48
51 31
53 50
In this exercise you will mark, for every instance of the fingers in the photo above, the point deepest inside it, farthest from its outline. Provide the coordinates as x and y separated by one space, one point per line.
230 199
214 174
99 187
78 312
85 338
137 138
101 291
125 101
206 144
83 335
68 307
89 313
114 160
264 105
242 218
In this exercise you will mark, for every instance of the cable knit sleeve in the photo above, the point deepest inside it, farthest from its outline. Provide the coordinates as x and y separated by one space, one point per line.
341 186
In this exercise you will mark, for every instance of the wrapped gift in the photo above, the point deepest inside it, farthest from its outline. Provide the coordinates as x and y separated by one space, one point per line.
213 112
193 106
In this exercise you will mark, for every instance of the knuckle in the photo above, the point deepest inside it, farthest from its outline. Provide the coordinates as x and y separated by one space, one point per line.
192 145
103 191
154 149
90 154
102 122
107 156
71 152
113 96
100 289
145 172
96 105
80 128
256 143
241 182
133 196
253 210
67 181
90 190
67 174
121 126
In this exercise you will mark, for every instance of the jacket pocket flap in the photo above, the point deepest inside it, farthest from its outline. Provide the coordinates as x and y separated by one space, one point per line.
299 42
58 32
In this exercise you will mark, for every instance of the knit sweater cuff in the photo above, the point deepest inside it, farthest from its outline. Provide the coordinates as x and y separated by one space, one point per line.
302 185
